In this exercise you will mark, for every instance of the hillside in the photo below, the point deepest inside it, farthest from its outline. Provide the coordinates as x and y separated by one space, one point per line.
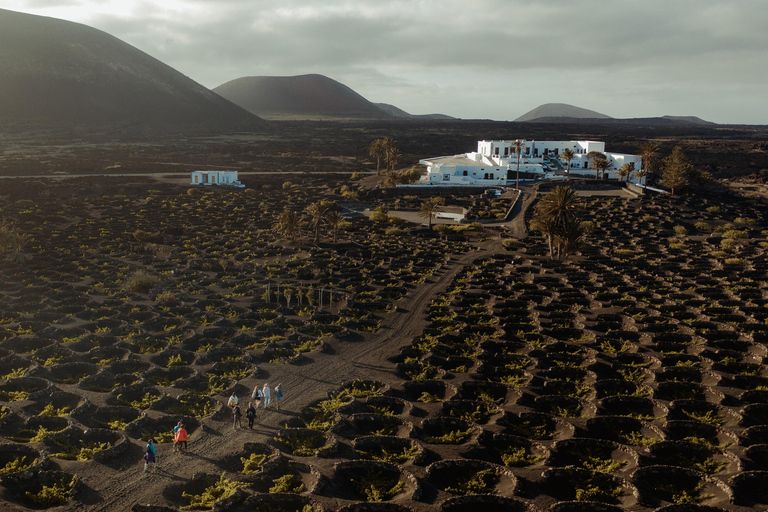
398 112
59 72
559 111
303 96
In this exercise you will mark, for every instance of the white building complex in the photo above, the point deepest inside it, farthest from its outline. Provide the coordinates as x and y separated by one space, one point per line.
223 178
495 162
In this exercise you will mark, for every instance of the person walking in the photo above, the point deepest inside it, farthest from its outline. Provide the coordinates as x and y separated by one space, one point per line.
175 431
250 413
150 455
267 393
232 402
278 396
236 416
180 439
256 395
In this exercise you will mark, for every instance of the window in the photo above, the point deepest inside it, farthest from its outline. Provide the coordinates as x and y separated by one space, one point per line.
497 152
446 177
464 173
491 177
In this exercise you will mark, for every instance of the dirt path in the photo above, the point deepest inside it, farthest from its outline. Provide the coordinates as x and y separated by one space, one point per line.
303 384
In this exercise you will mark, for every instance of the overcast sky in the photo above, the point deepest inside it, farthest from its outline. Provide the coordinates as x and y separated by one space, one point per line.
494 59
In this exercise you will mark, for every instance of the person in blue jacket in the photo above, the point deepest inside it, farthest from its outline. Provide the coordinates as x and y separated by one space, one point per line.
151 455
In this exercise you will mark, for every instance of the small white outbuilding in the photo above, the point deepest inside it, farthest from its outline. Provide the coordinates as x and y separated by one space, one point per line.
221 178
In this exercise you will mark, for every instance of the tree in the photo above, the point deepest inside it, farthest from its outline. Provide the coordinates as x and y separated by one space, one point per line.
567 155
595 155
519 146
600 165
676 170
378 149
429 208
392 154
334 218
649 152
626 170
556 215
317 211
288 223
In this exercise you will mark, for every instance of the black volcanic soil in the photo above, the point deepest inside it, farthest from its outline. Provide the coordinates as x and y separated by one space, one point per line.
297 146
501 372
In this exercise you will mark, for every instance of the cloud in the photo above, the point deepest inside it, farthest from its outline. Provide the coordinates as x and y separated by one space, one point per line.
592 50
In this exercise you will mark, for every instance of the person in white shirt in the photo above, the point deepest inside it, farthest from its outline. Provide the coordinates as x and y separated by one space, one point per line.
267 395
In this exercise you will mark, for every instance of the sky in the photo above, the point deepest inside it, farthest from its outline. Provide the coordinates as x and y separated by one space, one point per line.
483 59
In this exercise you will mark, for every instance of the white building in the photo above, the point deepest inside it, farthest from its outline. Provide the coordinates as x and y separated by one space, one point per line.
223 178
495 162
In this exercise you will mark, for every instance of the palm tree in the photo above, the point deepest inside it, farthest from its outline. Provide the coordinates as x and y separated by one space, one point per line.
519 146
428 209
567 155
600 165
649 152
595 155
626 170
555 216
378 149
570 237
288 223
392 155
317 211
334 218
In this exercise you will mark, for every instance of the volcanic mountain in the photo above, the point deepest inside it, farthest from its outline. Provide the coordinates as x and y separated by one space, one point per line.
56 72
303 96
550 111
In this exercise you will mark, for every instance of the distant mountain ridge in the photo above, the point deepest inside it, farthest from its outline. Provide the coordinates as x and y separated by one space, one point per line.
559 110
306 97
562 113
58 71
397 112
299 96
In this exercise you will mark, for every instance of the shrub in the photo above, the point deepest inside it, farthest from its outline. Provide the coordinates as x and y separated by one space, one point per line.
287 483
481 482
57 494
17 464
223 488
82 451
377 486
360 388
396 457
254 462
141 282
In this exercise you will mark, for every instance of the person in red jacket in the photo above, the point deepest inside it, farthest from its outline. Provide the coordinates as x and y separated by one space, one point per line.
181 438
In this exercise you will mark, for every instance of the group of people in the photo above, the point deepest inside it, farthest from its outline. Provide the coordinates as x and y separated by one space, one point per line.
180 438
264 395
259 395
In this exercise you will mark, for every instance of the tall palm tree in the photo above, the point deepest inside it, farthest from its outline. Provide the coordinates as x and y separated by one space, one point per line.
595 155
626 170
334 218
288 223
378 149
317 211
519 146
649 153
567 155
428 209
556 217
392 156
600 165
